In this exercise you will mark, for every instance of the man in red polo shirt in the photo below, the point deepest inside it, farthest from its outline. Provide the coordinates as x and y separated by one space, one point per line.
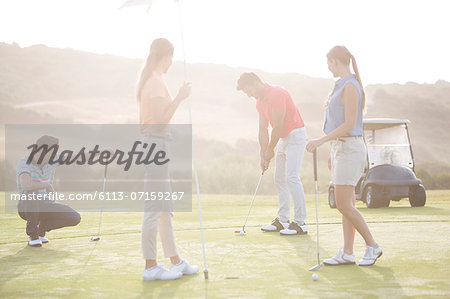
275 106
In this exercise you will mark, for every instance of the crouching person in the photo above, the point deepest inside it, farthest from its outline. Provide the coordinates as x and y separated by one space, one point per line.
35 180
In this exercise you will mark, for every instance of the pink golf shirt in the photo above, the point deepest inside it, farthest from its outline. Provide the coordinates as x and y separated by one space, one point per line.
276 99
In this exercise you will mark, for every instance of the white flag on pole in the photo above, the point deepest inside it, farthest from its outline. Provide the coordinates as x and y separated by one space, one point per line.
137 2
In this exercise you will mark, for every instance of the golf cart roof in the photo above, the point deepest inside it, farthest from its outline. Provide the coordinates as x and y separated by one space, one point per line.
381 123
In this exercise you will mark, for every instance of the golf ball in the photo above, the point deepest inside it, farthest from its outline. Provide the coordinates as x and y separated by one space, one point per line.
315 276
241 233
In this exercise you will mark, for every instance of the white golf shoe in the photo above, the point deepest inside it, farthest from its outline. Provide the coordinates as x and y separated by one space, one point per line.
341 258
160 273
43 239
34 243
184 268
294 229
370 256
275 226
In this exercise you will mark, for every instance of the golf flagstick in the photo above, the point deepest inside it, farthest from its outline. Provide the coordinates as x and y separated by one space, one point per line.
97 238
194 162
149 2
316 187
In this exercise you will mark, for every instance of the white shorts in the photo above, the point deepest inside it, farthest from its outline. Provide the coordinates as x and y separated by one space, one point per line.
348 160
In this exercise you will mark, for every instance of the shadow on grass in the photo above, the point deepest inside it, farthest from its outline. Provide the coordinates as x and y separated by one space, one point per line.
342 280
359 281
167 288
409 211
305 246
19 263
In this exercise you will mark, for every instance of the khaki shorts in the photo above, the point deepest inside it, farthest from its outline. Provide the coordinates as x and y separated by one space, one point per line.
348 160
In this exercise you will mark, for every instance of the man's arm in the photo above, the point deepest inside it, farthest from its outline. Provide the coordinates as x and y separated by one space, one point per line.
28 185
263 138
278 121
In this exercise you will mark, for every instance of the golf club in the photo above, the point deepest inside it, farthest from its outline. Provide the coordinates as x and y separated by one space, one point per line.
242 232
97 237
319 264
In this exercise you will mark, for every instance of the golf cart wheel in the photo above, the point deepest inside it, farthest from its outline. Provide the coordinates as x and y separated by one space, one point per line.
331 200
417 196
374 201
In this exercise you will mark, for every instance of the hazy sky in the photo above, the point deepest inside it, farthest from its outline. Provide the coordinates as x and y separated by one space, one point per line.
393 41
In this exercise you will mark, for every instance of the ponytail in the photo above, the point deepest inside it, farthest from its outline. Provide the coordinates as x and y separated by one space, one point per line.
146 73
160 47
358 77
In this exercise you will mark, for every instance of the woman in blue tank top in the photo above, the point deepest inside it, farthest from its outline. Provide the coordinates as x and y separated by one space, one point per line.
343 127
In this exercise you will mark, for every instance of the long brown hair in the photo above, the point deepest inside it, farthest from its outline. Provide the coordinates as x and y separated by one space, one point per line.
342 54
159 49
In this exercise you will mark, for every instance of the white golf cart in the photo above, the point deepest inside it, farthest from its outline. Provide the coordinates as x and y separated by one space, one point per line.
389 173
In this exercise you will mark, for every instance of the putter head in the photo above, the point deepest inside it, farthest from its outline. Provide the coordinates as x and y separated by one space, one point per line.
206 274
96 238
316 267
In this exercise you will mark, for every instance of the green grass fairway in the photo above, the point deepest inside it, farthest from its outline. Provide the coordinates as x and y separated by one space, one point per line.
416 260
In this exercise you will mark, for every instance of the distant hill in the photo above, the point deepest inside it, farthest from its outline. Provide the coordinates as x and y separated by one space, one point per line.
39 84
100 89
39 73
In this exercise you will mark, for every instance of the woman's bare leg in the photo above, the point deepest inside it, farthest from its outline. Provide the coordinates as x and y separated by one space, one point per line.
345 197
349 233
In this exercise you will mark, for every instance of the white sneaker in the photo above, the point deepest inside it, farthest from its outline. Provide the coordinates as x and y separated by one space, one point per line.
295 229
370 256
160 273
275 226
35 242
341 258
43 239
184 268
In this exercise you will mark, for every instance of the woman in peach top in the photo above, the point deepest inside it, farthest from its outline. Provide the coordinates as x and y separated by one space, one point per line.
156 107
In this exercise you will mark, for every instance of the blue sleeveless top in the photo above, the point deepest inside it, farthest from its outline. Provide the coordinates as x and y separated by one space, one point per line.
335 112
